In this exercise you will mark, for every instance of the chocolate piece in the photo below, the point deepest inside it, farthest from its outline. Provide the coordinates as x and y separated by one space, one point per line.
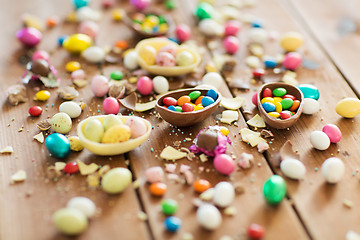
117 90
68 93
40 67
16 94
207 140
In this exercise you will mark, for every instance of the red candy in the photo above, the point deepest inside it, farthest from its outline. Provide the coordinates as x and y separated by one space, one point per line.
169 101
35 111
254 99
256 231
289 96
183 32
231 44
187 107
285 115
267 93
71 167
258 73
111 105
232 27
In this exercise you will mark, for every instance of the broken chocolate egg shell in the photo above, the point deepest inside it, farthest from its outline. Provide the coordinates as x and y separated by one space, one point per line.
129 102
276 122
158 43
111 149
40 67
184 119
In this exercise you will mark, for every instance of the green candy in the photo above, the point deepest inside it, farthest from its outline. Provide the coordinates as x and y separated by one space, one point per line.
169 206
178 108
274 190
279 92
286 103
194 95
162 19
170 4
117 75
204 10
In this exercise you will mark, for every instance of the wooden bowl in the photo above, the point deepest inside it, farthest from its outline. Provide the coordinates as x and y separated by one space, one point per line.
158 43
275 122
184 119
110 149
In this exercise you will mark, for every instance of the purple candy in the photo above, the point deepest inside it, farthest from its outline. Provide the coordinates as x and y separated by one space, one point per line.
140 4
29 36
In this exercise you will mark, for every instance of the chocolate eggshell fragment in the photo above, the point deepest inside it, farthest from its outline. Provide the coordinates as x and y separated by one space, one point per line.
17 94
40 67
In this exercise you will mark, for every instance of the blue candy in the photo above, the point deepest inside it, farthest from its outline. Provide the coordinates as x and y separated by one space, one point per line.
58 145
80 3
206 101
309 91
212 93
61 39
172 224
257 24
172 108
270 62
269 107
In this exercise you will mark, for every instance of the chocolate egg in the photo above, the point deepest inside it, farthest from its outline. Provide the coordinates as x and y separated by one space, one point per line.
207 140
40 67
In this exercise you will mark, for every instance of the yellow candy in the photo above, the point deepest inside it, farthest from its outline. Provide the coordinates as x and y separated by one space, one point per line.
77 43
224 130
152 20
118 14
75 144
291 41
163 27
71 17
348 107
33 21
127 51
116 134
72 66
148 54
267 99
274 114
277 99
198 107
278 107
42 95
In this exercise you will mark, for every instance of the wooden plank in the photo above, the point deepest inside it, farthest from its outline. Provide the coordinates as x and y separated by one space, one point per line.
316 202
324 20
251 206
27 207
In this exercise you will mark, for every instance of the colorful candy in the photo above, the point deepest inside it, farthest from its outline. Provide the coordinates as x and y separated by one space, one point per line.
319 140
158 189
292 60
42 95
309 91
172 223
209 217
58 145
150 23
204 10
116 180
184 58
61 123
70 221
116 134
224 194
183 32
111 105
224 164
93 54
72 66
256 231
231 44
293 168
77 43
99 85
116 75
348 107
169 206
71 108
213 79
310 106
35 111
71 167
201 185
137 127
291 41
161 84
274 190
29 36
333 132
232 27
84 205
333 170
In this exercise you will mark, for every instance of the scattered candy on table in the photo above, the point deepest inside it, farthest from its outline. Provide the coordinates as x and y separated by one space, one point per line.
274 190
58 145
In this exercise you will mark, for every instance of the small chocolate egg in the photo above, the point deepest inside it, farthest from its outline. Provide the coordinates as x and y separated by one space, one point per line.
213 79
40 67
172 49
116 134
211 28
94 130
258 35
148 54
291 41
348 107
161 84
137 127
310 106
71 108
224 194
184 58
89 28
70 221
333 169
165 59
61 123
111 120
93 54
319 140
224 164
145 85
293 168
77 43
130 60
208 216
116 180
207 139
29 36
99 85
58 145
84 205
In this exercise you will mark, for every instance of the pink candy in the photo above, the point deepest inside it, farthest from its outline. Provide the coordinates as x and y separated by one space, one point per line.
292 60
144 85
168 48
29 36
99 86
137 127
232 27
254 99
333 132
224 164
140 4
231 44
165 59
89 28
183 32
40 54
78 74
154 174
111 105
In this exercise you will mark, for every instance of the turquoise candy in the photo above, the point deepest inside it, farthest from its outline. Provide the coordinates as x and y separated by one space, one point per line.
58 145
80 3
274 189
309 91
279 92
286 103
194 95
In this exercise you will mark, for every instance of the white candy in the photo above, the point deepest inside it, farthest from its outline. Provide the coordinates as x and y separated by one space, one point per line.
258 35
252 61
94 54
70 221
70 108
61 123
224 194
130 60
310 106
87 14
210 27
333 170
213 79
293 168
84 205
161 84
319 140
209 216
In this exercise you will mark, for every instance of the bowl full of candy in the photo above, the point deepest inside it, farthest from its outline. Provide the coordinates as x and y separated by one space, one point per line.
280 104
164 57
150 24
187 107
109 135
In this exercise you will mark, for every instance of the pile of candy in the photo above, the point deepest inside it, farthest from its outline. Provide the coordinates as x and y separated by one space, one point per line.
277 103
192 102
150 23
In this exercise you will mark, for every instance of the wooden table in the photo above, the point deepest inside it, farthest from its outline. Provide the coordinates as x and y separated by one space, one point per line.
312 209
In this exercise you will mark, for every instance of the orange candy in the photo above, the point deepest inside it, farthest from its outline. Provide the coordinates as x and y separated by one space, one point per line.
52 21
201 185
198 100
158 189
182 100
122 44
296 104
